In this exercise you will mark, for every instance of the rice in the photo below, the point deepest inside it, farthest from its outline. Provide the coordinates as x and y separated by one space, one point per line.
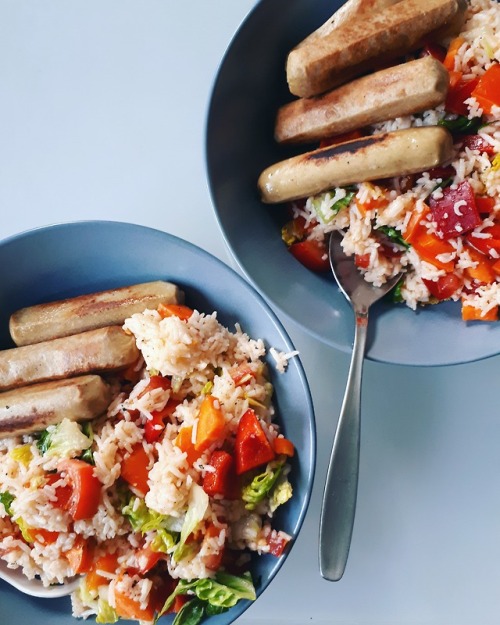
138 523
376 223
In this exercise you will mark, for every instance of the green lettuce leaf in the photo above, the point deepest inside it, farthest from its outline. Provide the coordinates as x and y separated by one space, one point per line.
261 485
105 613
197 506
6 499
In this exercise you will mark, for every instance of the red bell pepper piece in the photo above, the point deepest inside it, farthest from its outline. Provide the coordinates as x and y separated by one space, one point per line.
455 213
252 448
156 381
485 204
444 287
486 245
457 95
312 254
476 142
487 90
222 480
277 543
154 427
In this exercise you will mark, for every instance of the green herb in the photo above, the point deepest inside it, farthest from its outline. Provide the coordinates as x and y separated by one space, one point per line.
393 234
6 499
327 214
397 296
43 442
461 124
88 454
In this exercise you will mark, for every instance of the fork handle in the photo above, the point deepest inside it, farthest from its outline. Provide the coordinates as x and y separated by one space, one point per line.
339 497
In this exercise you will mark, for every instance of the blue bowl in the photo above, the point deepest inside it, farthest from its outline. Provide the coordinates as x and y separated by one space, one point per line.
75 258
249 88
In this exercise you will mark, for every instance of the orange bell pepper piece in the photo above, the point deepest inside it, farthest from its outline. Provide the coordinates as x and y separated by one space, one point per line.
107 563
184 441
135 470
211 424
128 608
175 310
487 91
80 557
428 245
483 271
453 48
471 313
283 446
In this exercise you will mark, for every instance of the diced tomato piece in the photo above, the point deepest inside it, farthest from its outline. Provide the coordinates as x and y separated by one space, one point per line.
85 488
284 446
455 212
444 287
134 469
252 448
63 493
46 536
489 246
80 557
277 543
154 427
242 374
362 260
485 204
175 310
476 142
487 90
156 381
222 480
457 95
312 254
147 559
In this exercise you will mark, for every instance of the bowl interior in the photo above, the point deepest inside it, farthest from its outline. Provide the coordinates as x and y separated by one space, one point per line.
76 258
249 88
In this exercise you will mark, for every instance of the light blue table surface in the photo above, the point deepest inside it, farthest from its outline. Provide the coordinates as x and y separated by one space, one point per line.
102 116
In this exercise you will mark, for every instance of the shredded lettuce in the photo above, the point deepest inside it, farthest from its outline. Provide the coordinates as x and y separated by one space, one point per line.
88 454
25 530
280 495
327 213
6 499
261 485
105 613
143 519
217 594
197 506
64 440
163 541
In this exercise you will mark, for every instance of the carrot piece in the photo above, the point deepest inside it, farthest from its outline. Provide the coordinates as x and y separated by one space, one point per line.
284 446
453 48
128 608
135 468
86 488
471 313
427 245
252 448
108 563
483 271
184 441
175 310
81 555
211 424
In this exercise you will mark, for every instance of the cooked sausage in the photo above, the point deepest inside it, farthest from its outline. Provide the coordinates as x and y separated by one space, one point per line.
349 11
360 44
88 312
33 408
103 350
369 158
401 90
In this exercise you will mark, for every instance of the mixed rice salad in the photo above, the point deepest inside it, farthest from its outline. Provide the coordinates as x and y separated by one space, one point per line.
160 503
442 227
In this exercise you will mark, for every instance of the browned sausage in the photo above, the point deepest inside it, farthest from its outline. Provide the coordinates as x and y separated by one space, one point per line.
102 350
88 312
33 408
358 45
400 90
369 158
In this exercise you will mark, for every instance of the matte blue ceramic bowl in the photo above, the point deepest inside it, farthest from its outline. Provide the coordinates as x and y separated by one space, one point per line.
249 88
75 258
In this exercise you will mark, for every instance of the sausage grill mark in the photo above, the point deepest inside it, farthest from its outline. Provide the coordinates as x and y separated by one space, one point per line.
352 147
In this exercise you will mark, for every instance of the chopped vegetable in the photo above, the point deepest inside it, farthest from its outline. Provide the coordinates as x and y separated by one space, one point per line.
175 310
211 423
461 124
143 519
283 446
261 485
458 93
281 494
488 246
134 468
472 313
444 287
455 212
252 448
6 500
81 555
153 428
128 608
107 563
64 440
85 489
105 613
312 254
427 245
222 480
22 454
197 506
184 441
394 235
487 90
